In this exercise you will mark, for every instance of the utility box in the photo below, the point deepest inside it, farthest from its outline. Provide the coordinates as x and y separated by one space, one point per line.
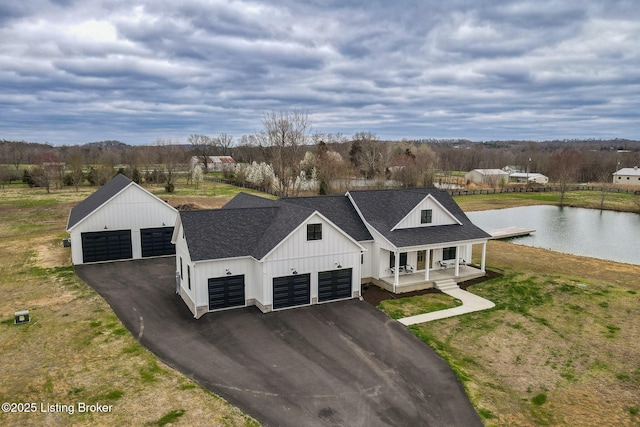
21 316
66 242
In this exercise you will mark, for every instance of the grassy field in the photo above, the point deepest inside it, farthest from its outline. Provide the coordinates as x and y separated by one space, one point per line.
561 347
587 199
75 349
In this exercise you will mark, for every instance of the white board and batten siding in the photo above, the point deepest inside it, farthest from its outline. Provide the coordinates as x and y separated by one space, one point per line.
132 209
296 253
369 259
440 216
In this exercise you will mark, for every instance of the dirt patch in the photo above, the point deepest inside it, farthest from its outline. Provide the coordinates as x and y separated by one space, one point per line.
52 254
195 203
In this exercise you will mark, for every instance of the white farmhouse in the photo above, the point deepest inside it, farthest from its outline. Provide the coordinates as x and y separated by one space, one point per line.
310 250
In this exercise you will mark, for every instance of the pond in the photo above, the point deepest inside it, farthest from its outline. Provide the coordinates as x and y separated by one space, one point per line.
588 232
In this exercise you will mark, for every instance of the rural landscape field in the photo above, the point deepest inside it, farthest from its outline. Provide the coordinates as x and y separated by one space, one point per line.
373 129
560 347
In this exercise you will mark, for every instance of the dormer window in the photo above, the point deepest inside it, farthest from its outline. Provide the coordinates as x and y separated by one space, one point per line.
426 216
314 231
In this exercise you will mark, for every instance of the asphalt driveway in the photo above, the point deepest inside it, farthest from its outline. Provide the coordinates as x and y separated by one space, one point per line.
337 364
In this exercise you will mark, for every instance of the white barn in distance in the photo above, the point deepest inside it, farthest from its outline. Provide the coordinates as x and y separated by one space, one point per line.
627 176
214 163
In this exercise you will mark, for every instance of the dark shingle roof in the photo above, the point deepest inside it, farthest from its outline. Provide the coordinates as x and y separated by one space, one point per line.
236 232
339 210
383 209
97 199
250 225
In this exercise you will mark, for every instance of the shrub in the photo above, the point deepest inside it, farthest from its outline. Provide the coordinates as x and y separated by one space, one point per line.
539 399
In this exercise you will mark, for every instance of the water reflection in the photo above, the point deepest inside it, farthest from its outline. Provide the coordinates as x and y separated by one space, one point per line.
589 232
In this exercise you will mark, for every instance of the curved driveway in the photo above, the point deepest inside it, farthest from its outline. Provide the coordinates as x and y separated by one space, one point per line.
338 364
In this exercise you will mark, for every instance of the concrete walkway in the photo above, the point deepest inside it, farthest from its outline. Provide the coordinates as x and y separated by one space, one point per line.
470 303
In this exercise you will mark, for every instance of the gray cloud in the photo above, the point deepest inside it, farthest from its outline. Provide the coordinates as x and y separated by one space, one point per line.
72 72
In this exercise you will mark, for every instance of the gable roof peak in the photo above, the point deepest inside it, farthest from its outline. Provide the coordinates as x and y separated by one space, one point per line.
97 199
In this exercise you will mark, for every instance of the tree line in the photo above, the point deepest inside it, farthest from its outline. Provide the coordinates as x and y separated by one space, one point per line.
294 151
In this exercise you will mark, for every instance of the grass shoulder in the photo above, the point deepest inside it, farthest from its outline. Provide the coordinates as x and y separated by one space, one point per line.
404 307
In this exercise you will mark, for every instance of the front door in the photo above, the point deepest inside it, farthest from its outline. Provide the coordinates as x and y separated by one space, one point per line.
421 260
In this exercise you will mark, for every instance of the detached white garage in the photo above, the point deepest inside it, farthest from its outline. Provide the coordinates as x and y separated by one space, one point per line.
121 220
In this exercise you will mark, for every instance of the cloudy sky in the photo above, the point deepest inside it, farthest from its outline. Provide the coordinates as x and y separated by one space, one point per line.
74 71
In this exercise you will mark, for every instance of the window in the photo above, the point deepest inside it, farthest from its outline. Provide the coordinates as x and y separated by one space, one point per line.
181 269
449 253
426 216
314 231
392 259
189 276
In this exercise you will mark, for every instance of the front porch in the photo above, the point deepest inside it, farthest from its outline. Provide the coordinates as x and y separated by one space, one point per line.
409 282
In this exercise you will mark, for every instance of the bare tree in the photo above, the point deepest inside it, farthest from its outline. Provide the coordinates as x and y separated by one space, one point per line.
247 149
203 146
17 153
169 155
225 142
413 166
76 166
47 172
283 135
366 152
564 167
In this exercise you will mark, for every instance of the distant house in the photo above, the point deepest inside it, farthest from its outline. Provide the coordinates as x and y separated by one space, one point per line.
310 250
627 176
491 177
531 177
214 163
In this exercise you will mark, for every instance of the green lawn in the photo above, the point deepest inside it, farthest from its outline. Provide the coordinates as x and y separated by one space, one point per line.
411 306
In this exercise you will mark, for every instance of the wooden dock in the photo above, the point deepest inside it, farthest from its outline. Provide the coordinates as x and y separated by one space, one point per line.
505 233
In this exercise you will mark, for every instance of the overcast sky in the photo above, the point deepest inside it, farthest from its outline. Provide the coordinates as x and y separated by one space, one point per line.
88 70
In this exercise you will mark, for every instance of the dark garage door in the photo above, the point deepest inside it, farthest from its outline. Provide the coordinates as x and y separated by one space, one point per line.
225 292
335 284
157 241
106 245
290 291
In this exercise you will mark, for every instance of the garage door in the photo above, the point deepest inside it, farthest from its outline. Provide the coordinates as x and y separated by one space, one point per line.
225 292
335 284
157 241
290 291
106 245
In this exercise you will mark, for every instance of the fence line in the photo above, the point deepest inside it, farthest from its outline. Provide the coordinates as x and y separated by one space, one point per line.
456 192
462 192
242 185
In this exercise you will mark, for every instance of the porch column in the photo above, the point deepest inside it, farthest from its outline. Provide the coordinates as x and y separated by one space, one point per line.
457 261
427 264
484 256
396 271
